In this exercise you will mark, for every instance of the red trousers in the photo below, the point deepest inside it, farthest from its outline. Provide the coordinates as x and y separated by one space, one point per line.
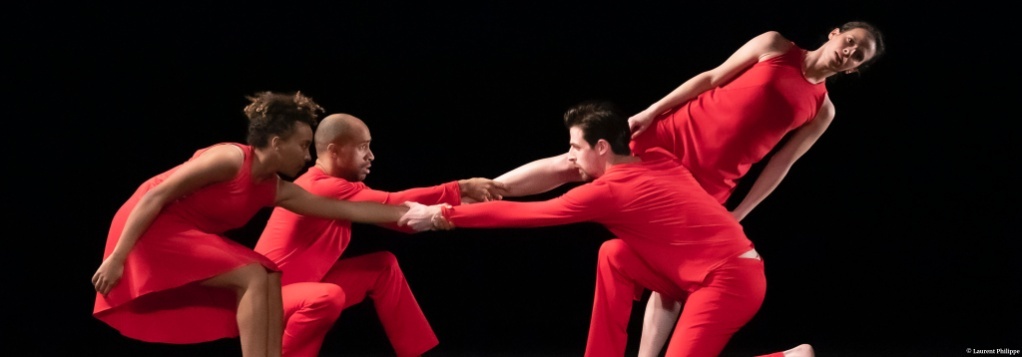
726 300
311 308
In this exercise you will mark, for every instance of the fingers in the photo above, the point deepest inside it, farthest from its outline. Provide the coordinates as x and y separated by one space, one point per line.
96 279
498 189
101 284
494 191
638 131
481 189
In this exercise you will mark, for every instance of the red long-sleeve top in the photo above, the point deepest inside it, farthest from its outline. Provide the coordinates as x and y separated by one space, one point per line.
655 206
305 248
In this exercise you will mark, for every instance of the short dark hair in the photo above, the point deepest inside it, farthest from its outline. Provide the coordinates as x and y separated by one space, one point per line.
271 113
600 120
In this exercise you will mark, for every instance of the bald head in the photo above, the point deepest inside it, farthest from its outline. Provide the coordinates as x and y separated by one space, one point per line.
338 129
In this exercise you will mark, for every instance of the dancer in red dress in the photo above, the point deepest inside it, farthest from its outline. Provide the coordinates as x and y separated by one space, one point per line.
317 285
169 274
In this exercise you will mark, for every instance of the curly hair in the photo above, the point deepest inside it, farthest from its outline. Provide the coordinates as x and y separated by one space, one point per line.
271 113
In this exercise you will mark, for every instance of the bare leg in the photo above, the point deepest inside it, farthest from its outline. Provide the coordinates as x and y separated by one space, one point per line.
251 284
657 324
276 316
540 176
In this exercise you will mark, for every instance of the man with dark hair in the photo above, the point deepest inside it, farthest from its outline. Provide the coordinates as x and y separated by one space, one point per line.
673 237
317 285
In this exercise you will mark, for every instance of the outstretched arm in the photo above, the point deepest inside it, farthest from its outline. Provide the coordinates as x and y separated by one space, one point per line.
217 164
759 48
478 189
780 163
539 176
580 204
296 199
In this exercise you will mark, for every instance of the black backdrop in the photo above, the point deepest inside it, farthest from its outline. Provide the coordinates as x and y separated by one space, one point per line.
896 234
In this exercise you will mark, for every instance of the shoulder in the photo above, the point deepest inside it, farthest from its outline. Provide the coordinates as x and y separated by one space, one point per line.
227 156
771 43
231 151
322 184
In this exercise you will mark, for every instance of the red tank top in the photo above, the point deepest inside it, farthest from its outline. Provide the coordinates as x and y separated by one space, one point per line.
722 132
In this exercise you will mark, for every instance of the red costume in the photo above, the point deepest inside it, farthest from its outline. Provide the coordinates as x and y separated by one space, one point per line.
722 132
157 298
317 286
673 238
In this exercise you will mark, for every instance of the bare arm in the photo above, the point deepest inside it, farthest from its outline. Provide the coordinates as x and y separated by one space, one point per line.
298 200
217 164
539 176
780 163
761 47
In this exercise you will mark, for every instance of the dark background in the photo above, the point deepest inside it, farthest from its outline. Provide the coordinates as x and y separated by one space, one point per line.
897 234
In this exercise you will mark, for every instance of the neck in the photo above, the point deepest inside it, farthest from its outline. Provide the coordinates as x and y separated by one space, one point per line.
622 159
322 166
813 72
263 166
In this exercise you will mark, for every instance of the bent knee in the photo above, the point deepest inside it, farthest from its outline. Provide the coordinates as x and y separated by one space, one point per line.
612 248
316 296
248 276
383 260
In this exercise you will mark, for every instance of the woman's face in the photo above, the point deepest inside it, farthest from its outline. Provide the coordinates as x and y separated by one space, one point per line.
845 51
294 150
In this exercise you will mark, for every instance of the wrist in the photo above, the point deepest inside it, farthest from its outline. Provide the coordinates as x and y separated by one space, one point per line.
116 257
440 219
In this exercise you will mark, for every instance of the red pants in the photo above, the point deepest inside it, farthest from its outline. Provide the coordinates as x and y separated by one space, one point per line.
310 309
725 301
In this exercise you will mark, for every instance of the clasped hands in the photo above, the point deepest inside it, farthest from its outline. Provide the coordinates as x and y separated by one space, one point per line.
431 218
422 218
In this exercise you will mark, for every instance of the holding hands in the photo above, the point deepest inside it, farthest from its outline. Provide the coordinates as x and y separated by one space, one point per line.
425 218
478 189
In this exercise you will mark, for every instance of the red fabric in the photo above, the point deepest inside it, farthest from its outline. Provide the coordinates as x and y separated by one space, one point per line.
318 286
311 308
674 239
724 302
156 299
656 206
306 248
722 132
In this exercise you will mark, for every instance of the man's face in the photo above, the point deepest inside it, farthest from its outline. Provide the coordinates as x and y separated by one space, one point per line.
585 157
353 154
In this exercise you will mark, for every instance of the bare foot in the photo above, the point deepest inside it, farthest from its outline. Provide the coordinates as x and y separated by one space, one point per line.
803 350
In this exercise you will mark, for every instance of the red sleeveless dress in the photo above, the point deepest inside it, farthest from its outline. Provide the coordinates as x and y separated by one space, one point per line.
722 132
158 298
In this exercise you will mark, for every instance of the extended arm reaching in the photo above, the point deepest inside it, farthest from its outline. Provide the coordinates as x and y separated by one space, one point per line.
539 176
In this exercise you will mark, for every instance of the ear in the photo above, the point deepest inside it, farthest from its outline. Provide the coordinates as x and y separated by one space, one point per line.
275 142
331 148
836 31
602 147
